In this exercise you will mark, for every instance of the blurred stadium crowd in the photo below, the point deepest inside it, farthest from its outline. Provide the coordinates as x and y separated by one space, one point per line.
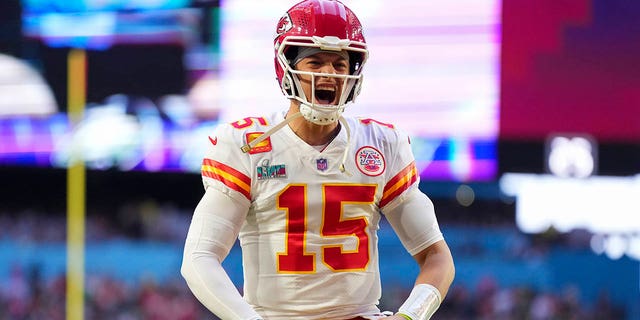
27 292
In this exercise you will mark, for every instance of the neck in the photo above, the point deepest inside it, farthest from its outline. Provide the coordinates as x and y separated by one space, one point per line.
311 133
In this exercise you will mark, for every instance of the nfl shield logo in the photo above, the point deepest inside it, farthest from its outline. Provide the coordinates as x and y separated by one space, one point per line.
322 164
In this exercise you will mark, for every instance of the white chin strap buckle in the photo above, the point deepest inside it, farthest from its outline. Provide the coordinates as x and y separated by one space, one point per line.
319 117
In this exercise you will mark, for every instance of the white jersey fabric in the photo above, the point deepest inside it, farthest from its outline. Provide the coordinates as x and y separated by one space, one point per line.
309 240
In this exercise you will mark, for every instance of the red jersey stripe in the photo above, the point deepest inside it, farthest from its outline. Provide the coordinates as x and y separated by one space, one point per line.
231 177
398 184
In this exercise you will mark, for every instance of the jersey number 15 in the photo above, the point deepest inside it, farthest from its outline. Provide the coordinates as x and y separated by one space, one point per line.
295 258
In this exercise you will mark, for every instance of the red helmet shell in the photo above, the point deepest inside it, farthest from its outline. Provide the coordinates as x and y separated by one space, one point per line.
319 18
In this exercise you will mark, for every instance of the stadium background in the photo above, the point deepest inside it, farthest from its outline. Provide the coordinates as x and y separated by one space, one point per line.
491 84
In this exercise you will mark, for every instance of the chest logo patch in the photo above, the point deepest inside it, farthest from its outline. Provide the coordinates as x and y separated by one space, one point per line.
266 171
263 146
370 161
322 164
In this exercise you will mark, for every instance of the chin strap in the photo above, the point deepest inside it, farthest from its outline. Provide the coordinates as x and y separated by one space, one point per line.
245 148
345 153
248 146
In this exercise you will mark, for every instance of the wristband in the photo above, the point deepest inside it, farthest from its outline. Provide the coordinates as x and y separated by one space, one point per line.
422 303
404 316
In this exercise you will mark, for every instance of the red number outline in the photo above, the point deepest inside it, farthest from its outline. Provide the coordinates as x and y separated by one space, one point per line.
295 258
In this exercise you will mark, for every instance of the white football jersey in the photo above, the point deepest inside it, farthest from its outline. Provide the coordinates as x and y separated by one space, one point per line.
309 243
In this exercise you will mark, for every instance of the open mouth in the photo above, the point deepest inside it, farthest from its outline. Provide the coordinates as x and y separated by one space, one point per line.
325 96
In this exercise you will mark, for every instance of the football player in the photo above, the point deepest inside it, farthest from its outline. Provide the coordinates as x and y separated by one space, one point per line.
304 191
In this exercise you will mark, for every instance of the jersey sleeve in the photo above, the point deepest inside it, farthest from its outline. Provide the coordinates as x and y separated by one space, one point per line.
402 175
414 221
224 166
409 211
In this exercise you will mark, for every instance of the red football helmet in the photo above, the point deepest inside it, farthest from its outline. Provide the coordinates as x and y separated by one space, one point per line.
329 26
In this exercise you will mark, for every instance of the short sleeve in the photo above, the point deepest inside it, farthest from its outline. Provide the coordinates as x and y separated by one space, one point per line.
402 174
224 166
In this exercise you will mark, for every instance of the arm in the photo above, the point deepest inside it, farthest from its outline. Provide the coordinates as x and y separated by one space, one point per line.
436 267
413 218
213 231
437 273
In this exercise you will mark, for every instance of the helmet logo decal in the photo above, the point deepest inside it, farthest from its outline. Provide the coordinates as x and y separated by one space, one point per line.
284 24
370 161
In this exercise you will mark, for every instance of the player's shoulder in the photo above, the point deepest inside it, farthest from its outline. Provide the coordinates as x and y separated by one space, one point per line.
250 124
253 122
230 136
379 129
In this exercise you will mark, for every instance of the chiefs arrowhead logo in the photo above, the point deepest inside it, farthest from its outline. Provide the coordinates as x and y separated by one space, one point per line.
214 141
284 24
